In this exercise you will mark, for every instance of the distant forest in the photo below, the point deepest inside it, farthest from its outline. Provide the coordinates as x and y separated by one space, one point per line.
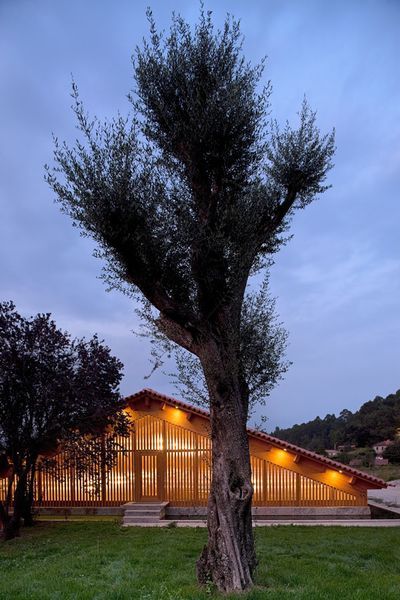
377 420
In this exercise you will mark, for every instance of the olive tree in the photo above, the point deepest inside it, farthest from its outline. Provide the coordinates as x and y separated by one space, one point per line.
188 198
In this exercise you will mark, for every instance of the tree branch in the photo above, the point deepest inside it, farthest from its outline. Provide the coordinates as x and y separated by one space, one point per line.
177 333
284 208
269 224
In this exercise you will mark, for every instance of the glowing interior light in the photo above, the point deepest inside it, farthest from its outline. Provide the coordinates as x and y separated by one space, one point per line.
340 471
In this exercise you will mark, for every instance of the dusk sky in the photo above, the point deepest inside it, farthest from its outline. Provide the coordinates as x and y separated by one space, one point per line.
338 280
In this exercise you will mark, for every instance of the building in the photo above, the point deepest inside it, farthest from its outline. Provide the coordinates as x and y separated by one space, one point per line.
167 458
380 447
380 461
331 452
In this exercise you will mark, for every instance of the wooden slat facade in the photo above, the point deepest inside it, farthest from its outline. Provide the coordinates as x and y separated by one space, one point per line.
167 457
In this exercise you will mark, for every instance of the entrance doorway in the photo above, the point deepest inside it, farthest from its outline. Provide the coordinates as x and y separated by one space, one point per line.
149 471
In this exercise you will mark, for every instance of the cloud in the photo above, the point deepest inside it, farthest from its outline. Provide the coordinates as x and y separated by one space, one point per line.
337 281
334 275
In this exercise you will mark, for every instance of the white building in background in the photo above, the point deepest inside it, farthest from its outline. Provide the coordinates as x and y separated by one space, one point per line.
380 447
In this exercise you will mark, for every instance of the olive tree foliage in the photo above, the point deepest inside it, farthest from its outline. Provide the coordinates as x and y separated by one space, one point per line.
197 187
188 198
263 342
55 393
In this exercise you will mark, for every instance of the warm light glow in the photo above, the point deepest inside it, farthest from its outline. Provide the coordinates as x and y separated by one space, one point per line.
182 475
257 486
281 454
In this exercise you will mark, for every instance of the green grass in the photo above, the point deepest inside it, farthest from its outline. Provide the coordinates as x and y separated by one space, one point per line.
385 472
101 560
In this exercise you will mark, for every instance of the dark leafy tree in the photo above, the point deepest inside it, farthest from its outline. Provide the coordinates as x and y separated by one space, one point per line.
187 199
392 453
376 420
343 457
53 391
365 457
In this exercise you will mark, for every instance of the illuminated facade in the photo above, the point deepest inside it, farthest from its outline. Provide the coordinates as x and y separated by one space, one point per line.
167 457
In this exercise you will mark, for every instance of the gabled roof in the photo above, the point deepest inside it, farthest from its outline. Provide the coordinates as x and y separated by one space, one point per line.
385 443
262 436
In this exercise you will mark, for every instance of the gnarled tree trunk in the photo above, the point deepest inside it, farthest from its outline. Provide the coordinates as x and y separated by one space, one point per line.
228 559
4 518
22 505
13 524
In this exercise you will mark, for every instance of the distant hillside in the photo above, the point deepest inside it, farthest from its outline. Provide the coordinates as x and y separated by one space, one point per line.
377 420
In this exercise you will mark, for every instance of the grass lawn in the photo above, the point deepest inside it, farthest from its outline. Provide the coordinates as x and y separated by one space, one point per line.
385 472
101 560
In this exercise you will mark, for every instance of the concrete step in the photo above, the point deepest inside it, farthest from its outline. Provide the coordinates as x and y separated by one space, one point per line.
150 508
128 520
141 524
142 513
144 505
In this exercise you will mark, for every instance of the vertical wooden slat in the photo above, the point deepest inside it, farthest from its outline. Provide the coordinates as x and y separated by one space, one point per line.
103 470
176 468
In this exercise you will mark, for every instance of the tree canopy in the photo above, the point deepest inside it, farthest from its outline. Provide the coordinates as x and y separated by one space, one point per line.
54 391
392 453
192 193
376 420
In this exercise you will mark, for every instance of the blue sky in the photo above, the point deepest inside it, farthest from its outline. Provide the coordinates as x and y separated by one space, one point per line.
337 281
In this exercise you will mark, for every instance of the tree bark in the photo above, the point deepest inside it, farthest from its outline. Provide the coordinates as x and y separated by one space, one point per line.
13 524
4 518
228 560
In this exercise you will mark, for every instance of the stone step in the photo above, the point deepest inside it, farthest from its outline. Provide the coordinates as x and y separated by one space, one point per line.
128 520
142 513
151 524
145 506
140 505
136 513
